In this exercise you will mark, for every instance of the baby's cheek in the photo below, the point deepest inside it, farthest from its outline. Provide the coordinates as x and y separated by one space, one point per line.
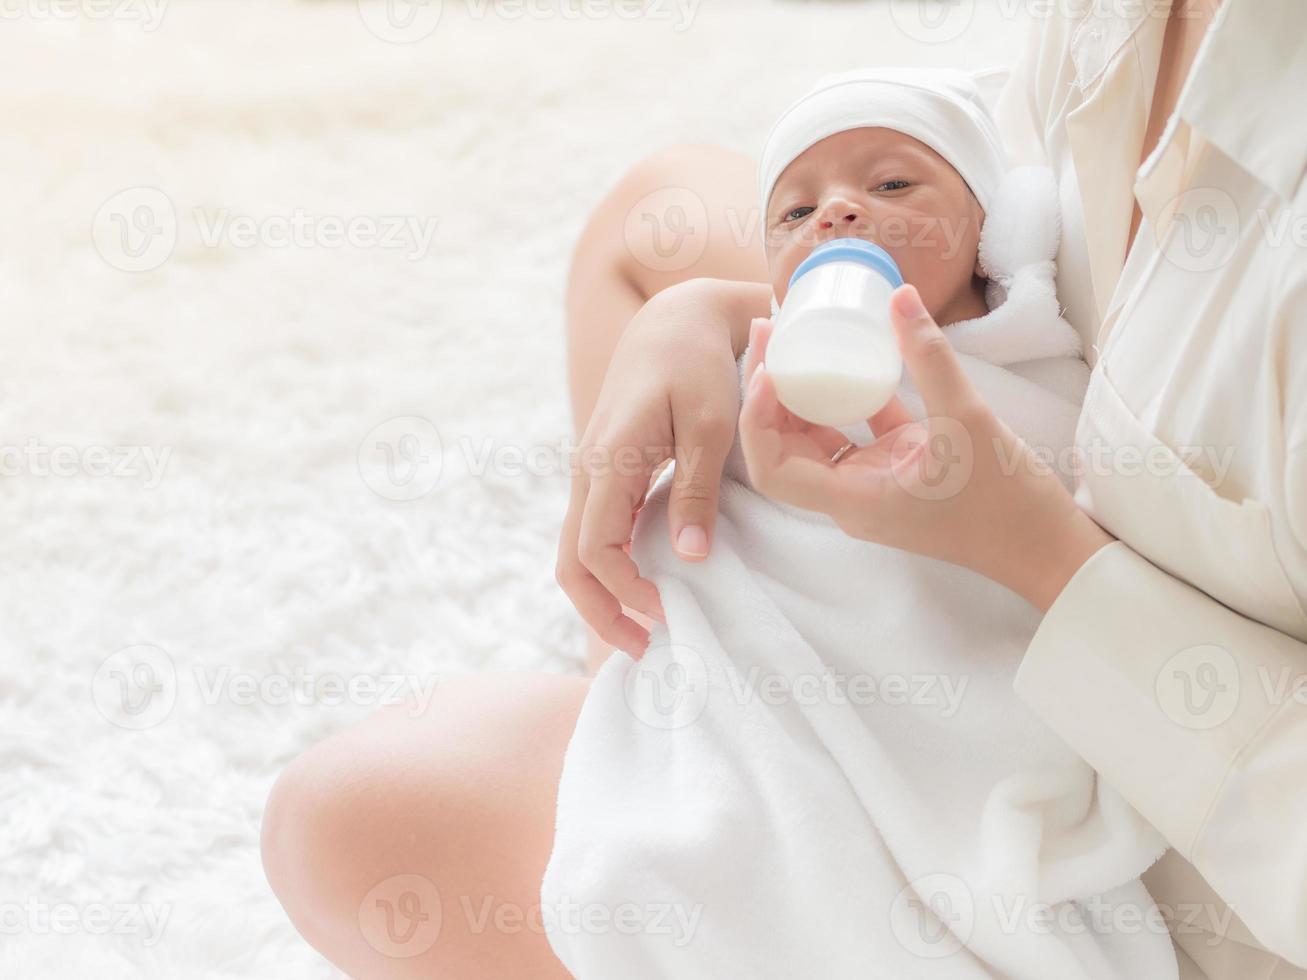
935 247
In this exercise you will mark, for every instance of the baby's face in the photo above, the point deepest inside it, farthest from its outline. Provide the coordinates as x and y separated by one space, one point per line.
887 188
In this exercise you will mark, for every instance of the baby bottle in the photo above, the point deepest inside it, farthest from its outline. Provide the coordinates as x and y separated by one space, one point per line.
832 353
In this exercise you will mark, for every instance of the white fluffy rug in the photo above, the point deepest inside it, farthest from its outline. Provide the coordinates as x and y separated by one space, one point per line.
189 507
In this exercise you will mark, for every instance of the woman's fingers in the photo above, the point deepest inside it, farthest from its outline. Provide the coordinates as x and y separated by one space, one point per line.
702 446
606 525
931 361
760 331
791 466
597 605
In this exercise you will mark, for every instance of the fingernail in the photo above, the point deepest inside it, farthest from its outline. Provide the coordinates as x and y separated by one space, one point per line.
909 304
692 541
754 381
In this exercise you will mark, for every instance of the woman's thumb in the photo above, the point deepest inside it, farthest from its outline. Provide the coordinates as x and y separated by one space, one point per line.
927 353
692 505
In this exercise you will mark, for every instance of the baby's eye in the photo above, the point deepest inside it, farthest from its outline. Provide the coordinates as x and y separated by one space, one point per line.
794 214
892 185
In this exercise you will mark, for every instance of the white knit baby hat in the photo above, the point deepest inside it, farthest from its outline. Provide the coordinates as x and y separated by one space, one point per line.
941 107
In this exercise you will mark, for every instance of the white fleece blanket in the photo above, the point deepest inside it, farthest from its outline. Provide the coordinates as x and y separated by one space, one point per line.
819 767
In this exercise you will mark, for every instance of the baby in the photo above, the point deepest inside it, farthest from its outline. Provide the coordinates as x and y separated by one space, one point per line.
825 724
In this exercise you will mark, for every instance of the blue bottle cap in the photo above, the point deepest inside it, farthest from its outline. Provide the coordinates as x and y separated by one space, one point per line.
851 250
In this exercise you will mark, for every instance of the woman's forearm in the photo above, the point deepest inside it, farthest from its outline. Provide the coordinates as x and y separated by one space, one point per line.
724 304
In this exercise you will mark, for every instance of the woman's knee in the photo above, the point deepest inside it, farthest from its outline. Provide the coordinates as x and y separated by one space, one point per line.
319 830
440 808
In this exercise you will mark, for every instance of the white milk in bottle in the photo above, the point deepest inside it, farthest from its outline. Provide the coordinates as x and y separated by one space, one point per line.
832 354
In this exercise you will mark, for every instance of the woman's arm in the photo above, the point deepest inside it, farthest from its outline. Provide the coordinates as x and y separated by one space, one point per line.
671 391
1195 713
1129 666
1126 654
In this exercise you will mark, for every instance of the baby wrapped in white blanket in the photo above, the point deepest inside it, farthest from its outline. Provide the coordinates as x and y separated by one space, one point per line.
819 767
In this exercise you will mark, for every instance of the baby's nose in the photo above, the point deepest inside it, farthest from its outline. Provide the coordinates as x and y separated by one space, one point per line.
841 217
841 213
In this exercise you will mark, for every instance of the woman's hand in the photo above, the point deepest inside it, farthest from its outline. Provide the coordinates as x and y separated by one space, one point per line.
959 485
671 392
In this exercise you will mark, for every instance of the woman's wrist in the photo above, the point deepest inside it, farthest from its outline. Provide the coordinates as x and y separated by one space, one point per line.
1063 556
729 304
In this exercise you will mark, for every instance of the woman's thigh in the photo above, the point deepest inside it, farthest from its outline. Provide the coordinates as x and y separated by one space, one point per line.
414 844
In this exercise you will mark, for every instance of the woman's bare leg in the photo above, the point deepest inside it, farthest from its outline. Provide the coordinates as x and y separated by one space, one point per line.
414 845
684 213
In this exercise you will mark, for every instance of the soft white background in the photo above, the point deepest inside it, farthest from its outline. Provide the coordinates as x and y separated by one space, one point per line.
262 370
